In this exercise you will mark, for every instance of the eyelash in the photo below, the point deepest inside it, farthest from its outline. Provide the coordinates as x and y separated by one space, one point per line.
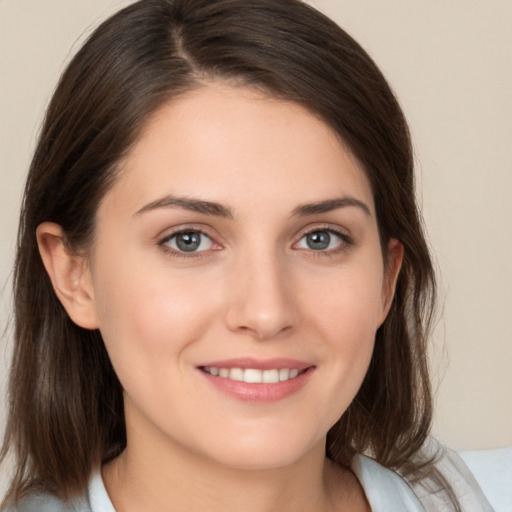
182 254
345 244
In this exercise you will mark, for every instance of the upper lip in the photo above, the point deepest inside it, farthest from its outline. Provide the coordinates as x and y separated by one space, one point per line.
261 364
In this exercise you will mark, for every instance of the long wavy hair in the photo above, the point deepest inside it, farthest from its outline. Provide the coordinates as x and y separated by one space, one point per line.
65 402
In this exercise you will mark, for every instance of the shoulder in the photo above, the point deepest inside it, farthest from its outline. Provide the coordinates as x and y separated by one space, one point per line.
462 481
388 490
385 490
94 498
41 502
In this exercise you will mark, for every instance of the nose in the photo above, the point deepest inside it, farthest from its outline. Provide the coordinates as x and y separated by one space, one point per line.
261 300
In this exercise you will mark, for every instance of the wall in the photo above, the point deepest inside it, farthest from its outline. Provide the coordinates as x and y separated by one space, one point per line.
450 64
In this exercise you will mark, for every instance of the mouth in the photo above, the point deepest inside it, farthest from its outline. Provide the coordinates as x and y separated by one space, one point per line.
254 375
252 380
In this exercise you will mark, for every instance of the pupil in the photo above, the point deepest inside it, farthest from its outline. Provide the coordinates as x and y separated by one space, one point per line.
188 241
318 240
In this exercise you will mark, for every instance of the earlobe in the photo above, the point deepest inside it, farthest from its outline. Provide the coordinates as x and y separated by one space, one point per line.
69 275
394 258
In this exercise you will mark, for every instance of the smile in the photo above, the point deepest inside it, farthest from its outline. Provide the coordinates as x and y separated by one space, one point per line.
254 375
257 380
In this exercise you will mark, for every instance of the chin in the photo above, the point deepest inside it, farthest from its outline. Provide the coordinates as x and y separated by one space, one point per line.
260 451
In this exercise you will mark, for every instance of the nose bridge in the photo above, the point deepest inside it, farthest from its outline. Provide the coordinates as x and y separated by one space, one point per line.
261 302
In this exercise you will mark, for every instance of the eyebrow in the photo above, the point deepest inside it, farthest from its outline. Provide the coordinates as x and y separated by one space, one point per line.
218 210
187 203
329 205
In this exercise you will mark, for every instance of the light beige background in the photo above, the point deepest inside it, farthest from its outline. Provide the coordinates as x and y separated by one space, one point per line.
450 64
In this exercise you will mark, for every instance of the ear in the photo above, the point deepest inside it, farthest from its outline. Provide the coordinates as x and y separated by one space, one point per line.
69 274
393 264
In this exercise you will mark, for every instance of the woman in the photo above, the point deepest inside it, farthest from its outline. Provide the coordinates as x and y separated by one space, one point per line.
222 288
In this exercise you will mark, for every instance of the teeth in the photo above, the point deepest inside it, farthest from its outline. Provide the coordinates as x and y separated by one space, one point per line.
270 376
236 374
253 375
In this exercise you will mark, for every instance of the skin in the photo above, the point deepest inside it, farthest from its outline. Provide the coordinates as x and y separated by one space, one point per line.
254 289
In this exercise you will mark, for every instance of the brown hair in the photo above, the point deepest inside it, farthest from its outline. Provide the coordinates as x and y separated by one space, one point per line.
66 407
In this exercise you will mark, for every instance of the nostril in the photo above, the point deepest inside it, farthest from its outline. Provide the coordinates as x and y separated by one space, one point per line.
265 332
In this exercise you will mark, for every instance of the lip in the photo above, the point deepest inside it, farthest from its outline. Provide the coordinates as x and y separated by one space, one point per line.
260 364
260 392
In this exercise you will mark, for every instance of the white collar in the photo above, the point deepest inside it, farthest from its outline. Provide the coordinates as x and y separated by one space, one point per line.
98 496
384 489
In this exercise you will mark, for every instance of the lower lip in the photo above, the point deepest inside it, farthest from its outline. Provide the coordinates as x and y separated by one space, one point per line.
260 393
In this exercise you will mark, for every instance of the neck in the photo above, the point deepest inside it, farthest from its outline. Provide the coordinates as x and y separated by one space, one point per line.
152 483
155 473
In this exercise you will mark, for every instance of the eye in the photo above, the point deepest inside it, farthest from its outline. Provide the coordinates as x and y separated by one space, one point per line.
322 240
189 240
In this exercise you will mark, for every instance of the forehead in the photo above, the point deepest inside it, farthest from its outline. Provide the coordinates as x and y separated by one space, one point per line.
239 146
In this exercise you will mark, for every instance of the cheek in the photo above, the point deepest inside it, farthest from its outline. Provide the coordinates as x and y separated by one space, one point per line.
348 303
150 314
150 323
346 313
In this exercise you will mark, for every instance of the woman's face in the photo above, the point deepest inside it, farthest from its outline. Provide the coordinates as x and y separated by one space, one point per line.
237 279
